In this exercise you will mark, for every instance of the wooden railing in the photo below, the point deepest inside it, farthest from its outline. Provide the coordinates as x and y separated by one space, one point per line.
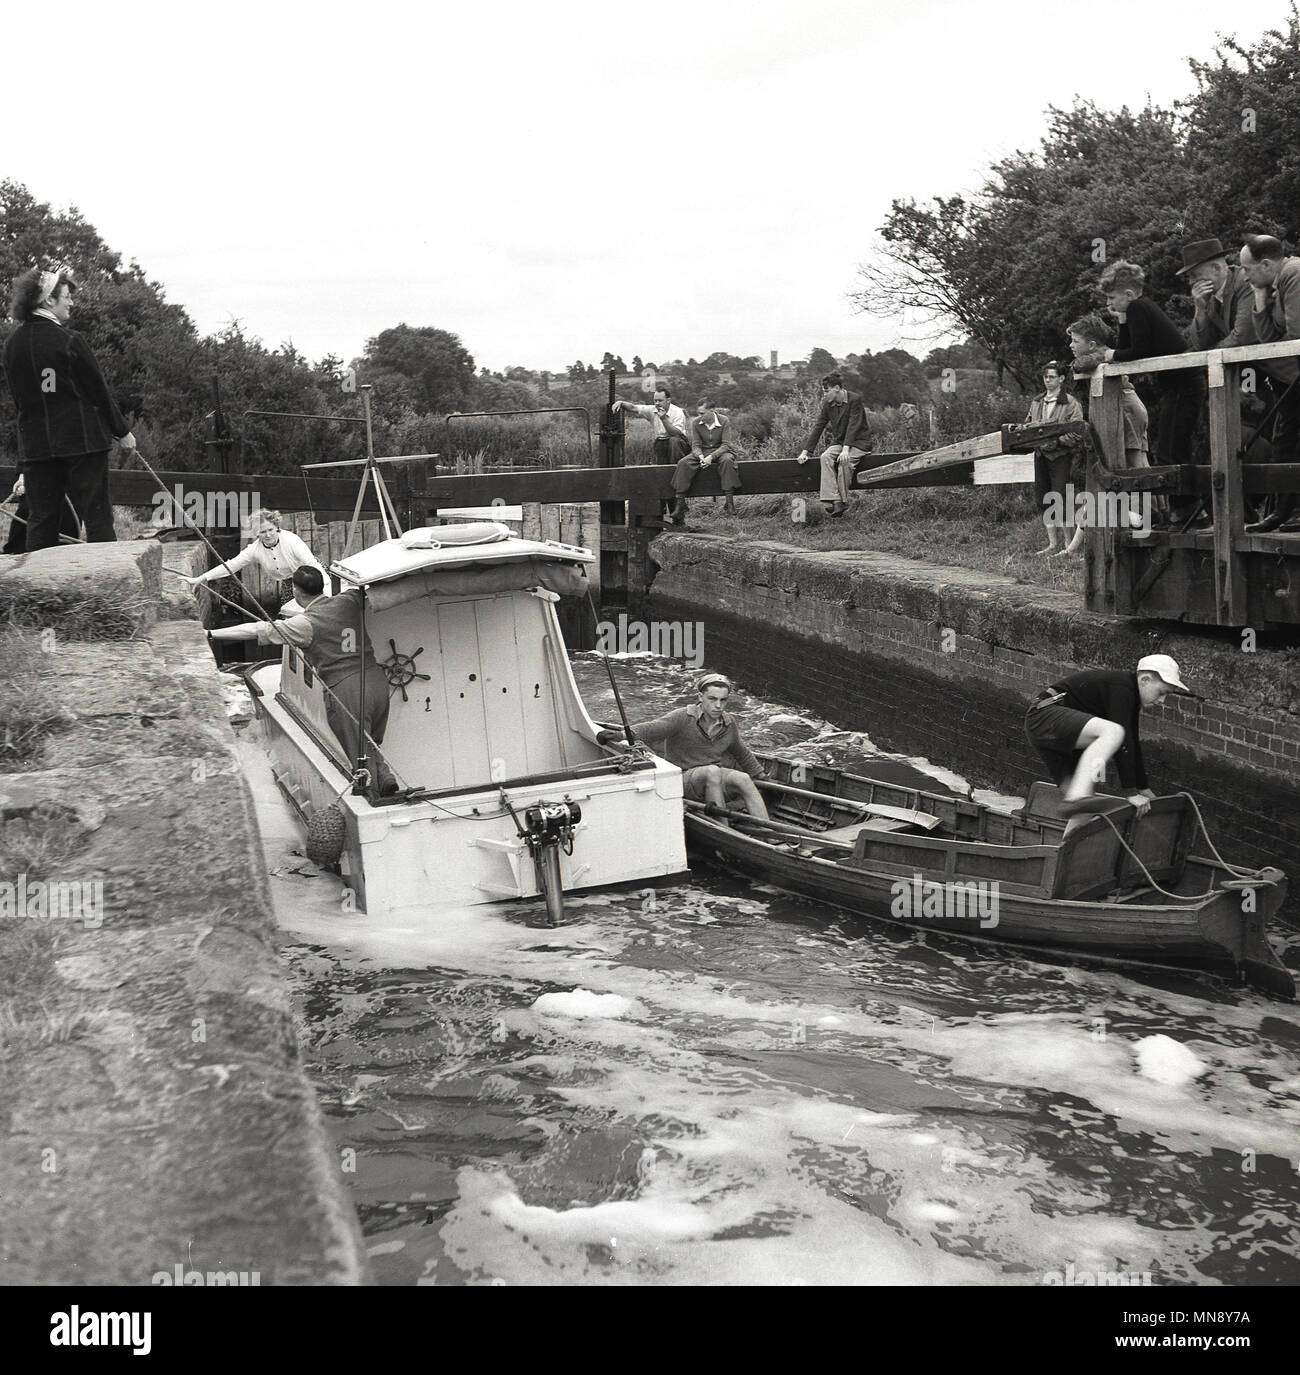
1219 576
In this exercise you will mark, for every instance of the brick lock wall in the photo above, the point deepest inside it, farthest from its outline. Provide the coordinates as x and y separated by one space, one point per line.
870 653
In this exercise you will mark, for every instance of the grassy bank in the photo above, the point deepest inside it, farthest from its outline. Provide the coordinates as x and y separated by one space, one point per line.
990 529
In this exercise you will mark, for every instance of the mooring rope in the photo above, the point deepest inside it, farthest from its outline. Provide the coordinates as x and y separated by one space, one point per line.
1237 871
261 615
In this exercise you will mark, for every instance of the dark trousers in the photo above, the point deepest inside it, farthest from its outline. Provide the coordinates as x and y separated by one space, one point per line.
1286 438
84 480
690 465
343 711
1286 423
16 542
1180 399
669 450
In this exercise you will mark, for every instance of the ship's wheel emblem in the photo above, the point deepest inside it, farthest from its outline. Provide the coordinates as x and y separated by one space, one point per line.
400 669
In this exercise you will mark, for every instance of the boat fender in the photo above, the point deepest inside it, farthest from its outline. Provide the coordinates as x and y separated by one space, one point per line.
445 536
326 833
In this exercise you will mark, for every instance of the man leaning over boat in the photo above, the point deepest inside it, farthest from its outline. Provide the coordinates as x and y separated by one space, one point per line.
327 632
705 743
1082 722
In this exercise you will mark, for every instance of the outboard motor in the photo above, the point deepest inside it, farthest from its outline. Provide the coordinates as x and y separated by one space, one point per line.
548 828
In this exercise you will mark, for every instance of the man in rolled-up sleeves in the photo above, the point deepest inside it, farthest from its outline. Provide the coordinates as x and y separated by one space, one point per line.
844 421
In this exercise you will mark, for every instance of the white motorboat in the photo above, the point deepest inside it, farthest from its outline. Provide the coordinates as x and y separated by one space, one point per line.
505 792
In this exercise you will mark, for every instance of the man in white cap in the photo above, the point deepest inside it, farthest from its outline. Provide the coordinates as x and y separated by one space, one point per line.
1082 722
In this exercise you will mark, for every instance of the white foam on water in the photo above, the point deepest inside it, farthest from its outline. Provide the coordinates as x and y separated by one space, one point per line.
750 1178
583 1003
772 1187
947 777
1055 1052
1167 1061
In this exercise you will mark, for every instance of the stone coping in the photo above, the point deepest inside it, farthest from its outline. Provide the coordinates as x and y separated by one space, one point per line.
154 1113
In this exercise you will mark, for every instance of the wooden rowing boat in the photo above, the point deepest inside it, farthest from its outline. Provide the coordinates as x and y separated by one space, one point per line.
962 868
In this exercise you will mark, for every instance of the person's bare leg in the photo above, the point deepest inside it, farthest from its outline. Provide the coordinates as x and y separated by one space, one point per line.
1075 541
1100 740
1055 539
714 792
743 785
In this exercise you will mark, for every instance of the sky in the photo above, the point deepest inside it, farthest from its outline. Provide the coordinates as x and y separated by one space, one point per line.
550 181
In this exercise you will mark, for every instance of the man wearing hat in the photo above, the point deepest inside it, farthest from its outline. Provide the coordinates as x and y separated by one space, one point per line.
1221 295
67 418
704 742
1082 722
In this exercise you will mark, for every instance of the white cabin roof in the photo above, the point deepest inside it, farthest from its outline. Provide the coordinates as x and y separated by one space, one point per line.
450 546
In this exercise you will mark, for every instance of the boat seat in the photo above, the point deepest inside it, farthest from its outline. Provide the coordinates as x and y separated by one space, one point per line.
847 835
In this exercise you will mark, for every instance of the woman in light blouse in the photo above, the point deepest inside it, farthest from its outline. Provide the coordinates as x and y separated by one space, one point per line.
279 553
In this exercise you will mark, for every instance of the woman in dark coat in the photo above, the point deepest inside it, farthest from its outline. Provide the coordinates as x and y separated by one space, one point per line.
67 421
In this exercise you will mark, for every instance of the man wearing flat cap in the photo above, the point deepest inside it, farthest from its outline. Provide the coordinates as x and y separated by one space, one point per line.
1221 295
704 742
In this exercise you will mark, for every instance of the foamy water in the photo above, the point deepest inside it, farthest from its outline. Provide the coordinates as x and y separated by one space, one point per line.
738 1086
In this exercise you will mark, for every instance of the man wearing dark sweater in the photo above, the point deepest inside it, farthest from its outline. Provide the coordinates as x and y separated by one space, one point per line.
844 421
327 632
704 742
1145 331
67 419
1079 724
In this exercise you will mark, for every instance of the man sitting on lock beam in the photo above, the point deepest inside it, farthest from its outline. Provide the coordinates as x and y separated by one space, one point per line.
704 742
328 634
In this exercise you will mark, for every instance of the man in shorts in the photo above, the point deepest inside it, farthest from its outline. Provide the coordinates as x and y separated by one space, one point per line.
704 742
1079 724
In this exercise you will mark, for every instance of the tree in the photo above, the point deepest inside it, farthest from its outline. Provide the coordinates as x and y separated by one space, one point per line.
819 363
1014 263
1010 265
1241 141
438 367
611 362
578 370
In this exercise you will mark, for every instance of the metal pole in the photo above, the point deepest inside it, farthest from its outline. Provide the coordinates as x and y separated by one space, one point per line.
362 762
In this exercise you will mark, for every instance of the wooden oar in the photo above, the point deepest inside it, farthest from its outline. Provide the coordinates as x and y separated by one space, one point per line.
916 818
780 827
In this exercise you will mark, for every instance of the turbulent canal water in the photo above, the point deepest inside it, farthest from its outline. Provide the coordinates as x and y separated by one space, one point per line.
728 1085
